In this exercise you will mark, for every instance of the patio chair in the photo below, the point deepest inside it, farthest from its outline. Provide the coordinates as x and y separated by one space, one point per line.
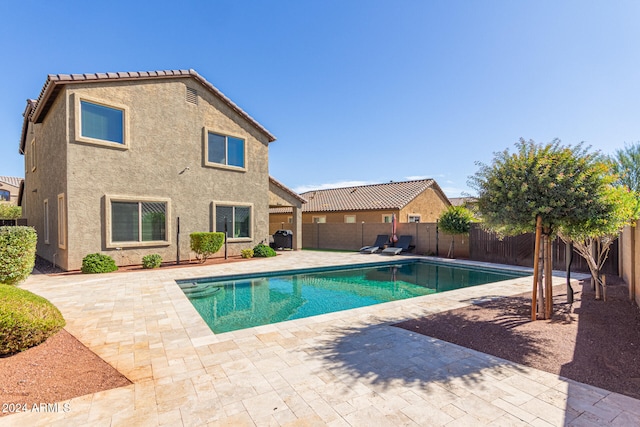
402 245
381 240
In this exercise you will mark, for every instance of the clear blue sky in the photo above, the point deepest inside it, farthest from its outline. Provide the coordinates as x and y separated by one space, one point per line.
356 91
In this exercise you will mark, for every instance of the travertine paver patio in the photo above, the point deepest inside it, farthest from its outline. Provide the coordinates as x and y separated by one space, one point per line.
339 369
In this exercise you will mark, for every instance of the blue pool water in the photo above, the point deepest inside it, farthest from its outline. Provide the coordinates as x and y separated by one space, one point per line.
236 302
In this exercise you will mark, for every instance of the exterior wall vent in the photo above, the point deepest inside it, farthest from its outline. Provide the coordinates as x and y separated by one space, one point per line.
192 96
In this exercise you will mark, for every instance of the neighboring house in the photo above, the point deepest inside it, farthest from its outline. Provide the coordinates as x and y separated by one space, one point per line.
130 164
9 189
467 202
411 201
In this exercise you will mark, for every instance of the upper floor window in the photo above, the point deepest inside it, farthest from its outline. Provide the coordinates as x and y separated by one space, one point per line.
225 150
319 219
32 154
349 219
101 122
414 218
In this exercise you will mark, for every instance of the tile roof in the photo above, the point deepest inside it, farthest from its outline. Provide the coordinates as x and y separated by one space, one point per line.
287 190
55 81
11 180
391 195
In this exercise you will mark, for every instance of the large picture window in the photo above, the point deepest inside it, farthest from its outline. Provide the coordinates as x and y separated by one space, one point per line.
236 219
137 222
102 122
225 150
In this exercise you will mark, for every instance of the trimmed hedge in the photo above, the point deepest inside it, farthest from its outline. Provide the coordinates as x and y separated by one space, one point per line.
206 244
17 253
264 251
26 319
8 211
151 261
98 263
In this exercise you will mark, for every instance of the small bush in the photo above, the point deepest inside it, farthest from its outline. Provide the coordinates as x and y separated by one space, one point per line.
98 263
262 250
8 211
247 253
17 253
206 244
151 261
26 320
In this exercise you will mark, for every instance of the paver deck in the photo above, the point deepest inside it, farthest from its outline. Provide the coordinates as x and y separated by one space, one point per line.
349 368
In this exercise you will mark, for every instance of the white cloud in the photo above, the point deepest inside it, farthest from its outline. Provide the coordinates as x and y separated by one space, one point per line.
416 177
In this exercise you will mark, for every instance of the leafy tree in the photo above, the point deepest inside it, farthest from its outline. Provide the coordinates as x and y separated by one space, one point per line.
545 188
8 211
455 220
626 165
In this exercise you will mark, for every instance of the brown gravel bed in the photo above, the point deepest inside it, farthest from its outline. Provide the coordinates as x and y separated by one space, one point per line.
61 368
593 342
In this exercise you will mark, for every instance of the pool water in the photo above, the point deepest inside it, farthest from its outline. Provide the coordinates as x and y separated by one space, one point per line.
237 302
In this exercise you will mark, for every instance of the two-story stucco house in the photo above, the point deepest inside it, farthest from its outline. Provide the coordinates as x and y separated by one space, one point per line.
130 164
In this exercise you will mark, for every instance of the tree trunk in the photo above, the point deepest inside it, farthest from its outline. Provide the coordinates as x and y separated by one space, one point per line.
536 262
548 277
541 269
568 258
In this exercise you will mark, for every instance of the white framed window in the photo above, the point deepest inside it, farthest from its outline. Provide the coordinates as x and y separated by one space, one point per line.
62 222
101 123
289 220
137 221
224 150
32 154
235 219
350 219
414 218
387 218
46 221
319 219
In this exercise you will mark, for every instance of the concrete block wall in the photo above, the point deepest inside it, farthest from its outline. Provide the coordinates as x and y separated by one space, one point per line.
629 259
354 236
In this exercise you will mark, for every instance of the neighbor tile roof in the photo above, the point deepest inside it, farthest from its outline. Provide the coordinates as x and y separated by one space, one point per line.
11 180
55 81
391 195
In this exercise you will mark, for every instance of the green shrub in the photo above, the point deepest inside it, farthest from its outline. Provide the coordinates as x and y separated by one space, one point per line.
262 250
247 253
151 261
8 211
98 263
17 253
26 320
206 244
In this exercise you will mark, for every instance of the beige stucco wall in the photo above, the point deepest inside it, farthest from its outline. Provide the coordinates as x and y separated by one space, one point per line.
166 134
13 193
629 259
48 180
429 205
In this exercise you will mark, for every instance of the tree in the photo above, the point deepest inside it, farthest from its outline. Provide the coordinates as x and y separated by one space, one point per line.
455 220
544 188
626 165
592 239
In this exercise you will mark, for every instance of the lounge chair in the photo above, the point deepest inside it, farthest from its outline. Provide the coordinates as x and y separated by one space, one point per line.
381 240
402 245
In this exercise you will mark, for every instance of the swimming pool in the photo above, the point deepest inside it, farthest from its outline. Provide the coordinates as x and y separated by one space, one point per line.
229 303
